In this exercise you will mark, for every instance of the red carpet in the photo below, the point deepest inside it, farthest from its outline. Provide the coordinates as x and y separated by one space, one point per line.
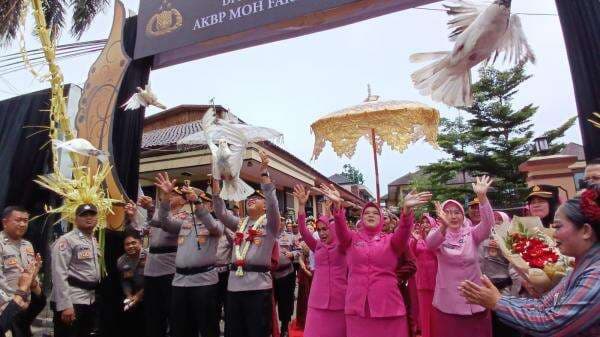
295 331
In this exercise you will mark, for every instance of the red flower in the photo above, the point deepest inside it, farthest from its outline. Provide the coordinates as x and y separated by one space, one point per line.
252 233
239 238
533 250
240 263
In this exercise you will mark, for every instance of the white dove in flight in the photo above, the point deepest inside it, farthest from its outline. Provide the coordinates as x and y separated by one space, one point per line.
81 146
232 138
144 97
481 33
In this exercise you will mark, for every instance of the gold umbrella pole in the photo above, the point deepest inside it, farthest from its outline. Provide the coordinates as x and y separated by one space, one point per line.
376 166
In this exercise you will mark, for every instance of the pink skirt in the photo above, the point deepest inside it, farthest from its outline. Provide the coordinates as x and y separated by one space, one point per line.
357 326
325 323
425 311
449 325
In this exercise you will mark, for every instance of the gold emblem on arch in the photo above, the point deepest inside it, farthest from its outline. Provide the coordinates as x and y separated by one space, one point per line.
167 20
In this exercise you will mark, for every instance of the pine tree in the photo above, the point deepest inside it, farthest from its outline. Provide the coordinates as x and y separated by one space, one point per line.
495 138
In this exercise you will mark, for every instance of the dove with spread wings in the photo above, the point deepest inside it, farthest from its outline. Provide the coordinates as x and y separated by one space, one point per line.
144 97
231 139
81 146
480 33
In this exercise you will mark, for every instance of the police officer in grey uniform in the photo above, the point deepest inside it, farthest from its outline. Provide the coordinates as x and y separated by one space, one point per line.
194 297
76 276
285 279
160 269
15 255
131 270
249 306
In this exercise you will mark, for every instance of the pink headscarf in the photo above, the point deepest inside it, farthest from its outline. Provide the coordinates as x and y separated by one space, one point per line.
371 230
326 221
504 216
447 203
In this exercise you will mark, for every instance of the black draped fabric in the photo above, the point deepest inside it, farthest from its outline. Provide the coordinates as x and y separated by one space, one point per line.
580 20
128 125
25 154
126 136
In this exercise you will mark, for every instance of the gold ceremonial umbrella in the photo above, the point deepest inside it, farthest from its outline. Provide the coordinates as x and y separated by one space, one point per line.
397 123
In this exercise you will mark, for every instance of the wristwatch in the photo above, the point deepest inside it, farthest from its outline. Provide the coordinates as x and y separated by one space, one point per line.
22 293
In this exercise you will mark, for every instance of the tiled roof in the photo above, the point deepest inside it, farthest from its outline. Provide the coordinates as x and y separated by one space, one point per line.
574 149
340 179
169 136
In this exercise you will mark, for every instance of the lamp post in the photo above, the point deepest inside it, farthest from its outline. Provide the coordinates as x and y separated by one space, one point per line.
541 144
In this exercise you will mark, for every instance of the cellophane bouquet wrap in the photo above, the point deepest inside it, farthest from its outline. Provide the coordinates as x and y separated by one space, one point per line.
529 247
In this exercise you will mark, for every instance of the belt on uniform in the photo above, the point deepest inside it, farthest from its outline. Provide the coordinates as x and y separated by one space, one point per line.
251 268
194 270
86 285
163 250
222 268
501 283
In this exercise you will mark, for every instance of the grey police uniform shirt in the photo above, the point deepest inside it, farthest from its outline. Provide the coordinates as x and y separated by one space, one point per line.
286 245
74 254
261 248
131 270
16 256
224 250
161 264
193 250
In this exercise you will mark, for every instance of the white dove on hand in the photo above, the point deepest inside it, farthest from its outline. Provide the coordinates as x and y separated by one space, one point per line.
144 97
81 146
481 33
233 138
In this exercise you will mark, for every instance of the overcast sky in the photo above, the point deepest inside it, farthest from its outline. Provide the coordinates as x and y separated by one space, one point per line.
288 84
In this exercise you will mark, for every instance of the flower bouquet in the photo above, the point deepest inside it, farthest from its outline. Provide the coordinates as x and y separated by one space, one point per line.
529 247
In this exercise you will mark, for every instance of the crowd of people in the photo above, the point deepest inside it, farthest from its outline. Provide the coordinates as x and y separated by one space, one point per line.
441 275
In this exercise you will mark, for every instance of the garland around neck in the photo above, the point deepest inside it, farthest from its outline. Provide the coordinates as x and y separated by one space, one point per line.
240 253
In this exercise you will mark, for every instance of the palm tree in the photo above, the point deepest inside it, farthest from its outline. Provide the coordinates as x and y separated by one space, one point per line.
83 12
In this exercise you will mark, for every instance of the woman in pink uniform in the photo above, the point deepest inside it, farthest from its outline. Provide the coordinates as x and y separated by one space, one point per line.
455 245
325 317
374 305
426 272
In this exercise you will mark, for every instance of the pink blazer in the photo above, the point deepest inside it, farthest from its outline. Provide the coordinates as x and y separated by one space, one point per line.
372 262
328 289
458 260
426 264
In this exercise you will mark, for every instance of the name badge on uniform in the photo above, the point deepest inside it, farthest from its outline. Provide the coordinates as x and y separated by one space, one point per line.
84 254
10 262
257 241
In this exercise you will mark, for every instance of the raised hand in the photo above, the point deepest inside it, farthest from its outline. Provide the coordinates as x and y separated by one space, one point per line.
264 161
216 187
302 194
164 183
414 199
332 194
481 187
189 194
145 202
441 215
130 210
